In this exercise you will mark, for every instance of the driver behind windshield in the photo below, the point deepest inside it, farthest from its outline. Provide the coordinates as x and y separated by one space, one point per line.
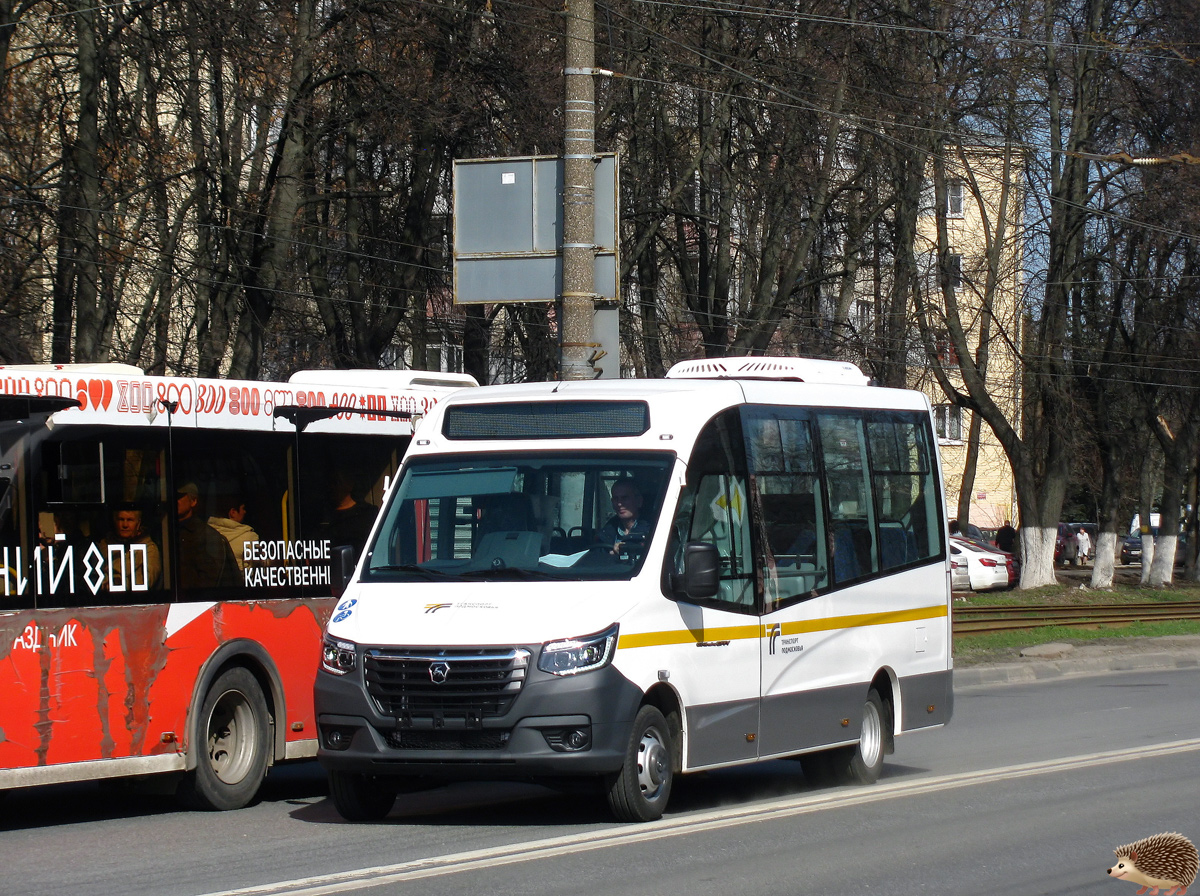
626 525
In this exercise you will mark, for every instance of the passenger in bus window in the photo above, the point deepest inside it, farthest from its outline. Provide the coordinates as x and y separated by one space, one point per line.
349 520
133 569
234 528
205 558
61 529
626 528
63 544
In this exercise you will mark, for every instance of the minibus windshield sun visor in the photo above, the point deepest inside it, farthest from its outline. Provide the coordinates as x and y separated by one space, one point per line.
546 420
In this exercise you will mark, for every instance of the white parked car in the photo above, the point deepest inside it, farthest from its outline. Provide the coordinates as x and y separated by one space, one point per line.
987 567
960 578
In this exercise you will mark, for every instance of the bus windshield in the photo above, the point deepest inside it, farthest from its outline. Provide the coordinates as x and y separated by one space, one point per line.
574 515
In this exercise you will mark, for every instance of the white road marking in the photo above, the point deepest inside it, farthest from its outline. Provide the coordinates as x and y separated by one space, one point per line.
436 866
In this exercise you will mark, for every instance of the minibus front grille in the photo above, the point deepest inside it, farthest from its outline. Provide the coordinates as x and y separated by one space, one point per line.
452 688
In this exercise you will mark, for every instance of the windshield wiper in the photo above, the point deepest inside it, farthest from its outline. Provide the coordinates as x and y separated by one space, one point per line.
514 572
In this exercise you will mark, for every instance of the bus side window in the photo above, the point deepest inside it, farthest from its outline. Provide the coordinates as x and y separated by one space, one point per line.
342 481
231 500
95 502
902 471
852 511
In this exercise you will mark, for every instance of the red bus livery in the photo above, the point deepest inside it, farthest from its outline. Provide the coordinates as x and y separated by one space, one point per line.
166 548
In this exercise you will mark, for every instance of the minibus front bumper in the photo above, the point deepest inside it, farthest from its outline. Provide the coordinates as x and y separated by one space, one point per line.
556 727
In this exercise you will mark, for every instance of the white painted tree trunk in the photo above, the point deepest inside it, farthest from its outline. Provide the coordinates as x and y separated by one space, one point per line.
1147 556
1102 566
1037 556
1162 570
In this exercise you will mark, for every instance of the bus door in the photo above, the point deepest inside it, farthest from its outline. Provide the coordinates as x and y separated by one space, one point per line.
811 496
716 667
794 564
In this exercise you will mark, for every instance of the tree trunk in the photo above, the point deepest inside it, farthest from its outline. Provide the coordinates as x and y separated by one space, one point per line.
970 463
1107 547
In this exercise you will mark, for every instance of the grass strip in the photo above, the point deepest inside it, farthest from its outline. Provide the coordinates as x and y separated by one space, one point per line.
971 649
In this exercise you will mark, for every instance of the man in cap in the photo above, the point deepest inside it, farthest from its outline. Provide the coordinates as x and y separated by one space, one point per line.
205 558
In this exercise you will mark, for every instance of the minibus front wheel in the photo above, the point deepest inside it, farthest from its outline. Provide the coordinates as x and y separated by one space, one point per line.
359 797
640 790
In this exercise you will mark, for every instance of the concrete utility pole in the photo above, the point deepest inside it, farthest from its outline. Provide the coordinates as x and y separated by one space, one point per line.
578 295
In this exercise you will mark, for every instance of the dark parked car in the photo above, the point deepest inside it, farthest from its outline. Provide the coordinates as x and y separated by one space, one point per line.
1131 548
970 530
1065 546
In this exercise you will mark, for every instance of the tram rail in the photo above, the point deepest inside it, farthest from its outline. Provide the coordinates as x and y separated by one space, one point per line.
983 620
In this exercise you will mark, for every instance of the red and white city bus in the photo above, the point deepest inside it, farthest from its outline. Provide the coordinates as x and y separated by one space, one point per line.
167 548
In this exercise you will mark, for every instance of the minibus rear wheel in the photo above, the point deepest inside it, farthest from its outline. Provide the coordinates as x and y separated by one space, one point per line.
858 764
639 792
359 797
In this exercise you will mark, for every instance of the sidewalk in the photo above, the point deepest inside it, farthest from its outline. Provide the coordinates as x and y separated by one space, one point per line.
1086 658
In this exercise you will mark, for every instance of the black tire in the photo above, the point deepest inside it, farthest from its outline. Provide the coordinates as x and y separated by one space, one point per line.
233 743
639 792
359 797
861 763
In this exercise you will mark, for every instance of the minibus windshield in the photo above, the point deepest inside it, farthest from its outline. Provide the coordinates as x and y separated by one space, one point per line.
514 516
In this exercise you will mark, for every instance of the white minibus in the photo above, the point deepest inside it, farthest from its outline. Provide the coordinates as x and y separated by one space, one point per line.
623 581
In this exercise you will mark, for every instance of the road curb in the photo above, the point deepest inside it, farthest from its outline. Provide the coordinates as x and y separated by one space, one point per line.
1022 671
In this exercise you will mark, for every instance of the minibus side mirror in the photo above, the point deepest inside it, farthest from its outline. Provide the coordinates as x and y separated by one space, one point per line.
341 568
701 570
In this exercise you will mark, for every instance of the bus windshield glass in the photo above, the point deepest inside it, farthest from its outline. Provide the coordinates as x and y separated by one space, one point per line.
577 515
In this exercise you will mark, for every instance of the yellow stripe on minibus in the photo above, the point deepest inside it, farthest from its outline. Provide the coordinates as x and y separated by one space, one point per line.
688 636
742 632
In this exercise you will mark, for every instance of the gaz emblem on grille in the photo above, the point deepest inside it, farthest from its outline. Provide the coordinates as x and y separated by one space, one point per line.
439 672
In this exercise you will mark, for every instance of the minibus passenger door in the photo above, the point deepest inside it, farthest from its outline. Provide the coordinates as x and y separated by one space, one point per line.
716 667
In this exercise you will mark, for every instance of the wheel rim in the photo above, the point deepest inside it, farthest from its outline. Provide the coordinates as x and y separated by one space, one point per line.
653 763
870 744
232 734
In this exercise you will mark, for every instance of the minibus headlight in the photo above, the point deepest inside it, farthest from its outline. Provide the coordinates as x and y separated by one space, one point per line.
575 655
337 656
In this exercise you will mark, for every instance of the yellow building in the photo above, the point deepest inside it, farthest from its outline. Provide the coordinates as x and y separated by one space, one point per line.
982 290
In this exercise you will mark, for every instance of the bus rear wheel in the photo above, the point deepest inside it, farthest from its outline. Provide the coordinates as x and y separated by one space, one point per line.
640 790
359 797
234 738
861 763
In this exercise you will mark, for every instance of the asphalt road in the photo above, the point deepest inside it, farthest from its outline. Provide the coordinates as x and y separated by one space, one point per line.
1028 791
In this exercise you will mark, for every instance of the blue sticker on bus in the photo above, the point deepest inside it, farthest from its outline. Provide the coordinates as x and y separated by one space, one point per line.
346 604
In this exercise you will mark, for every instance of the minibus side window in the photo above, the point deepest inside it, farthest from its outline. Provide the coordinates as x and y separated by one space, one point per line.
785 492
852 544
905 490
714 508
